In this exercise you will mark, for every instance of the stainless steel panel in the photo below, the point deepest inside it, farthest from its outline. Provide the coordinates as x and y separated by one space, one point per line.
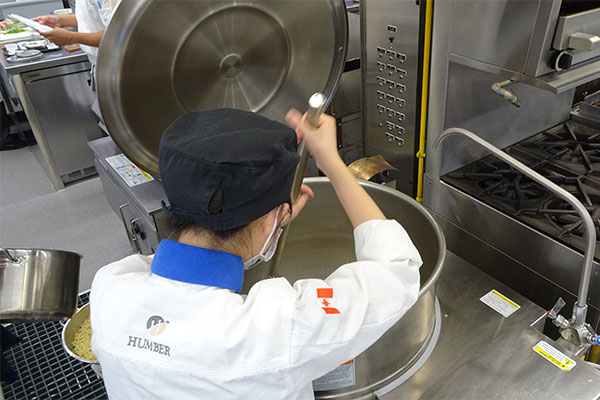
496 32
438 84
482 355
352 138
266 57
67 122
472 105
322 232
528 261
147 197
390 56
584 22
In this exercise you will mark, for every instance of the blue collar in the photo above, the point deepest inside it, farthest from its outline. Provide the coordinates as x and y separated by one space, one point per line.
185 263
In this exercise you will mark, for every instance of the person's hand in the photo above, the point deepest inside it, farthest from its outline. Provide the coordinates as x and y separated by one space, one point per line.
59 36
306 193
320 140
5 23
50 20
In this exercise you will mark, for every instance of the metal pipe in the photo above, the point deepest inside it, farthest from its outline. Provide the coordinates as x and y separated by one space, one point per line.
508 94
580 308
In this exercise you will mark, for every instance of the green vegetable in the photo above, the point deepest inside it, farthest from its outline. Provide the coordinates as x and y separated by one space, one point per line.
18 30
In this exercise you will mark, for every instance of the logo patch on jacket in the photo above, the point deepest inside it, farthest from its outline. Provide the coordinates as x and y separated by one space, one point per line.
154 326
325 296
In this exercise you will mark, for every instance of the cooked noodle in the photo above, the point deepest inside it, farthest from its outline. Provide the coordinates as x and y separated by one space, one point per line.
82 341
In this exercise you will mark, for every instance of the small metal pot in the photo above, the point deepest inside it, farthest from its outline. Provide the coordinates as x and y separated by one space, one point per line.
68 333
69 330
38 284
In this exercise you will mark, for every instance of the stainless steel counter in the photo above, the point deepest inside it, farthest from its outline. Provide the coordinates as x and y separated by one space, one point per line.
479 354
482 355
51 59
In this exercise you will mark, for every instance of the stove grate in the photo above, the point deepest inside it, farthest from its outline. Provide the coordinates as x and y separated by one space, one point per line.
46 371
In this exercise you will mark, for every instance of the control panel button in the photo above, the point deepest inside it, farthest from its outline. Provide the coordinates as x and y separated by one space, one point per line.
401 117
380 81
390 99
390 112
390 138
390 84
390 126
391 55
399 141
380 95
391 69
401 73
401 88
380 52
400 102
401 57
399 129
380 109
380 66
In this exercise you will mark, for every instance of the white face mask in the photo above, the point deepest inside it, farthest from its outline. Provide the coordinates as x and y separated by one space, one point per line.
265 256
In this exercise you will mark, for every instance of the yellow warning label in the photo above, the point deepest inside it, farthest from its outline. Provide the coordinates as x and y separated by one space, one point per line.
506 299
554 356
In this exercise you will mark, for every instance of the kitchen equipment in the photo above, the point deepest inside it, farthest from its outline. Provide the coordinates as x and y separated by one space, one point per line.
265 57
321 239
36 44
391 58
38 284
25 56
550 44
69 330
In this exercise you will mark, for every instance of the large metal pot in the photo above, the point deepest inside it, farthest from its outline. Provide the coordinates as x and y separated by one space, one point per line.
321 239
159 59
38 284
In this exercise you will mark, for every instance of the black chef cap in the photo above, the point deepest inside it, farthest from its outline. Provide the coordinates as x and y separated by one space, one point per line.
225 168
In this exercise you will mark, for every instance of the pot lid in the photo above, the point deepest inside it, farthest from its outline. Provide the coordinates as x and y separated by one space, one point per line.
159 59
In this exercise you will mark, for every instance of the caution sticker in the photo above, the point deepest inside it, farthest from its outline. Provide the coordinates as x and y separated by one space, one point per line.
554 356
128 171
341 377
500 303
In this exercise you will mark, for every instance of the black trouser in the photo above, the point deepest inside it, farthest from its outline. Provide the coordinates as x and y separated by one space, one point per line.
4 122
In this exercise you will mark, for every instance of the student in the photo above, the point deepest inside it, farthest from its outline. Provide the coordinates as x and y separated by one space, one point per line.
174 326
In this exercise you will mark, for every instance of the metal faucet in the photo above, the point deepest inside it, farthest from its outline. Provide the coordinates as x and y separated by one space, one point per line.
575 330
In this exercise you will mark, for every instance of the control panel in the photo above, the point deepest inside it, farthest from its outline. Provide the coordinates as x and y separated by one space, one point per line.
391 83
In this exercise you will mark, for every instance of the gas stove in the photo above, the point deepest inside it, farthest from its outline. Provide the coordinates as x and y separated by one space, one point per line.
568 155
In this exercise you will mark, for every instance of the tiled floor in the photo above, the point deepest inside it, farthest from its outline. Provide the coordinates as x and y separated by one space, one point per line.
33 215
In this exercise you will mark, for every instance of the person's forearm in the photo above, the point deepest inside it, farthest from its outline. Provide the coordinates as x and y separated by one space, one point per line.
88 39
67 20
359 206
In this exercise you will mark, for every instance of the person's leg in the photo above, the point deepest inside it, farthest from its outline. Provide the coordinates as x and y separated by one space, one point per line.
8 141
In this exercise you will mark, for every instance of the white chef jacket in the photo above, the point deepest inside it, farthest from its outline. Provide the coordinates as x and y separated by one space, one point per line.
93 16
174 326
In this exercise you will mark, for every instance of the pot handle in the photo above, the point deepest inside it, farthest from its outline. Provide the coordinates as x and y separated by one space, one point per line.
9 256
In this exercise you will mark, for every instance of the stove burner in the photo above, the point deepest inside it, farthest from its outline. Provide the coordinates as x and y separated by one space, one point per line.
567 155
566 220
578 150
